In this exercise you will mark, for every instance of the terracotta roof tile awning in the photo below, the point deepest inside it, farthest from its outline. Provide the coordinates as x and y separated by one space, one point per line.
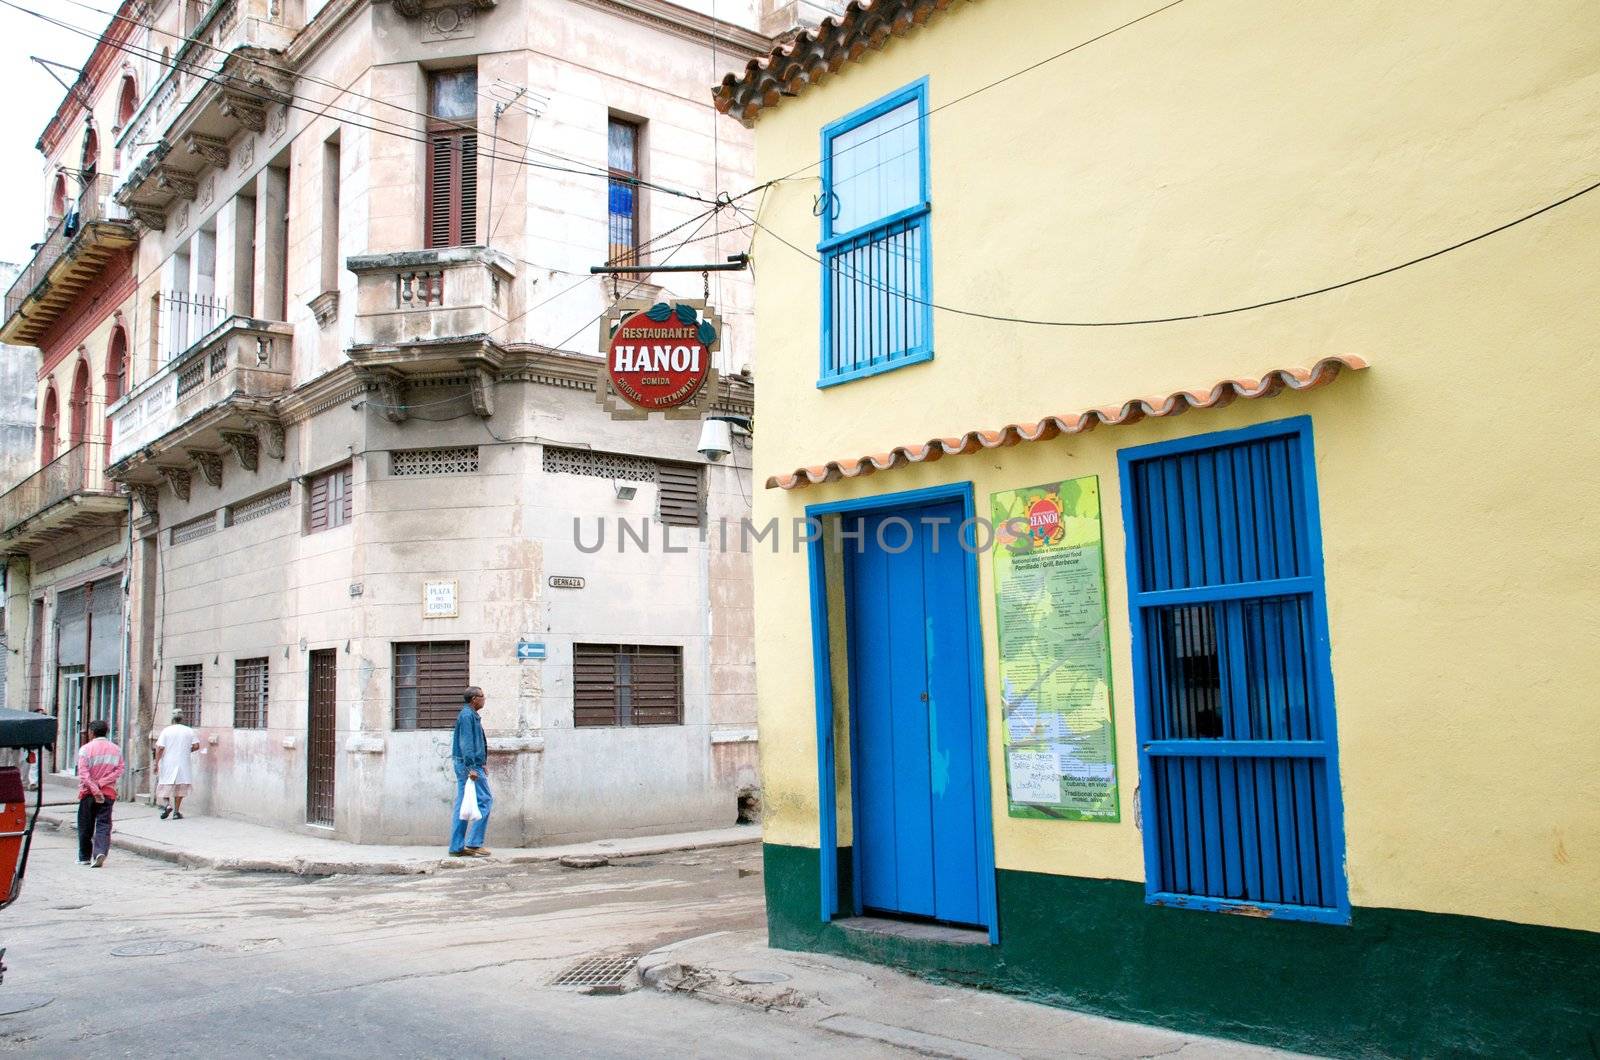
814 54
1219 394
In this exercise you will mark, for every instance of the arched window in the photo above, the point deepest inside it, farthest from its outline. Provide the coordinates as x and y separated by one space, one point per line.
127 100
58 196
47 426
78 407
116 375
91 153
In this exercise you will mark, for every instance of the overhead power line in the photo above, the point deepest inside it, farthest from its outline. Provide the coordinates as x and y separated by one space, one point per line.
346 90
397 130
984 88
1175 318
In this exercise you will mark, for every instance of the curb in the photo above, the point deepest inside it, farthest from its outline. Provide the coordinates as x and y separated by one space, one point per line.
301 866
287 866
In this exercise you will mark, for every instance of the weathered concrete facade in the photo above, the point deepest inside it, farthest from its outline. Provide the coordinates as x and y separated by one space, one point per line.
300 314
63 524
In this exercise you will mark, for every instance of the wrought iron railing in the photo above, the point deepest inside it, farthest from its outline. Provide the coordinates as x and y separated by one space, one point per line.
185 319
94 204
80 469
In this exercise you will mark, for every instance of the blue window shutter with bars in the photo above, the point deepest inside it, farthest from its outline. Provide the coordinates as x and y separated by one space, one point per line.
876 281
1237 755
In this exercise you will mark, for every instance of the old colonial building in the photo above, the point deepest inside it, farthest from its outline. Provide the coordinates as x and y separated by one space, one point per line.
1203 632
63 523
358 415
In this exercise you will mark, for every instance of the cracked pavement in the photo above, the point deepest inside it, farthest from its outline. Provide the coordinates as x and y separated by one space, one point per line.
461 962
456 963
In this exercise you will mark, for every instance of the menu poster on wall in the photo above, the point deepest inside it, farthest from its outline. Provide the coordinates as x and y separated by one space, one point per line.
1055 654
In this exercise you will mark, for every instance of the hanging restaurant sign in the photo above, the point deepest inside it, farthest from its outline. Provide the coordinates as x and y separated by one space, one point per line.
658 359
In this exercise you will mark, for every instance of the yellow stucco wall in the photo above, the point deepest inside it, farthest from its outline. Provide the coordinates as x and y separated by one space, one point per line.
1220 155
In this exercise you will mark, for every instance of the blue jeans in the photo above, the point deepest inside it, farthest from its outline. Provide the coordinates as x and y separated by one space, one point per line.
461 835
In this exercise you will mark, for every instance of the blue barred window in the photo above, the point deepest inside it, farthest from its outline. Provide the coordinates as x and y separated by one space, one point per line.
875 205
1234 694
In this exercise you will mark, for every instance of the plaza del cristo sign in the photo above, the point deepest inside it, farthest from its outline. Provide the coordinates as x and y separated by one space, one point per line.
658 359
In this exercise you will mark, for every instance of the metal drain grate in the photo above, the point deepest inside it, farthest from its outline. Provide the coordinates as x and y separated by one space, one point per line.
598 971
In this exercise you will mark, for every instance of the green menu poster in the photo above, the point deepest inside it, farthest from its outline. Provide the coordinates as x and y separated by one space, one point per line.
1055 656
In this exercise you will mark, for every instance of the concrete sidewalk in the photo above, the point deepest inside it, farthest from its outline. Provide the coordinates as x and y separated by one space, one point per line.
223 843
874 1003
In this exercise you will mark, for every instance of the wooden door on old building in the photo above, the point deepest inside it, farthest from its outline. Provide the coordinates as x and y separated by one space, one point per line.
320 737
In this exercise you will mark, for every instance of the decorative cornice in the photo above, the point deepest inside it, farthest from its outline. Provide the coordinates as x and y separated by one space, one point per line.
248 109
325 308
209 465
177 478
246 446
211 149
148 495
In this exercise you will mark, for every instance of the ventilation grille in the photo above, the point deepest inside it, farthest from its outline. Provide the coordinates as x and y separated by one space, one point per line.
460 460
255 507
679 501
598 465
194 529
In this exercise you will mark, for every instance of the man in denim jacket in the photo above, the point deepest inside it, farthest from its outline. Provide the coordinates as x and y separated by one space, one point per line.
469 750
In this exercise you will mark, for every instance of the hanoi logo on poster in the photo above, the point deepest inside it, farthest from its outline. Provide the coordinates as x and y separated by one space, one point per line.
1044 521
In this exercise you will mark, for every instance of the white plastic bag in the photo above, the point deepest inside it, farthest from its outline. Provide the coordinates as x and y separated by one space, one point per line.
469 802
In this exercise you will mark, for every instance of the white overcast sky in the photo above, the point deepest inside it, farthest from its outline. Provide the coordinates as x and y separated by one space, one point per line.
30 100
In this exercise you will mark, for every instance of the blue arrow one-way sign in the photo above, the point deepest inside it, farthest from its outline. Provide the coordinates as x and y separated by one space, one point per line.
528 649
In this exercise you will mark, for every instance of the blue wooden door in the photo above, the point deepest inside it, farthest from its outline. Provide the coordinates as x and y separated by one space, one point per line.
916 811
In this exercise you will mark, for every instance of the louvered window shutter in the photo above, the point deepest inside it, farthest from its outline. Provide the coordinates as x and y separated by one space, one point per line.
342 479
467 215
452 194
657 687
594 685
627 684
328 500
317 505
678 501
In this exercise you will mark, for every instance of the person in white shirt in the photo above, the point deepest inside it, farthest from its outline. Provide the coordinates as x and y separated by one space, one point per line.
174 747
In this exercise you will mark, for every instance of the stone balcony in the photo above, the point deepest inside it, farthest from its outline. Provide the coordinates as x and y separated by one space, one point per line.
431 297
69 494
439 314
231 78
215 397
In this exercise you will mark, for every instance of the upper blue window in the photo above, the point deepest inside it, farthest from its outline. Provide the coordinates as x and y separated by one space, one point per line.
1233 690
875 283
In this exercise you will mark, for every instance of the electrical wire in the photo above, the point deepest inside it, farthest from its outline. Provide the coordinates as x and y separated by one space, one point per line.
409 407
348 90
398 131
992 84
1181 317
342 90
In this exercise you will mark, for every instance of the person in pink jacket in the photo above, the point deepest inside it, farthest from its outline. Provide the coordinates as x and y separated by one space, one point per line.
99 767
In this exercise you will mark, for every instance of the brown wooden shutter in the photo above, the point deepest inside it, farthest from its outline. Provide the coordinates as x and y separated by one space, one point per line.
452 192
437 224
343 477
626 684
317 505
594 685
429 681
328 500
467 195
657 685
678 494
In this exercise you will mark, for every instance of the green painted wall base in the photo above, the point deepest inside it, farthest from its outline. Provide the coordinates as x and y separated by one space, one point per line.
1393 983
